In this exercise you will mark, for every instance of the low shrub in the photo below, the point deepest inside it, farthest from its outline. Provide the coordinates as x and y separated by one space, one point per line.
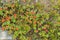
31 22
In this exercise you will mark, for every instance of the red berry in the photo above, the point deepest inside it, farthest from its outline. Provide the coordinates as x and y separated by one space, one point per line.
17 29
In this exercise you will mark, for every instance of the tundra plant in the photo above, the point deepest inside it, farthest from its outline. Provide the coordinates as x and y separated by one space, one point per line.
31 21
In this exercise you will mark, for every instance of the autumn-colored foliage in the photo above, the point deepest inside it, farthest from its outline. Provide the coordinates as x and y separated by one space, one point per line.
31 21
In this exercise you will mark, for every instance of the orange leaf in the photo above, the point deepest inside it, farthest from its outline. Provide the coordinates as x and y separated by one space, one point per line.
12 28
8 0
33 12
0 8
34 17
24 0
12 5
46 31
8 18
3 28
15 15
44 28
6 26
30 21
3 20
34 22
36 31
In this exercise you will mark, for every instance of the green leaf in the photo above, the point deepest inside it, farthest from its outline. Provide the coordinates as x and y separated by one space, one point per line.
15 34
6 23
46 16
42 21
39 28
58 19
52 1
59 33
13 19
23 37
24 7
26 28
38 15
34 26
32 6
1 12
42 33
